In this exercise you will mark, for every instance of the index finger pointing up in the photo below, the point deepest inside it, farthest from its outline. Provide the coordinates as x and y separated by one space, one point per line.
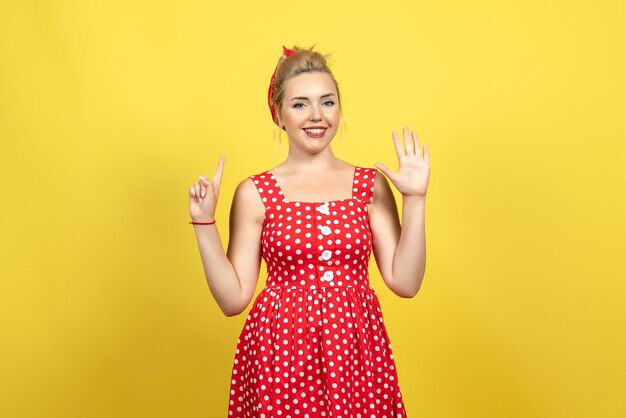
220 169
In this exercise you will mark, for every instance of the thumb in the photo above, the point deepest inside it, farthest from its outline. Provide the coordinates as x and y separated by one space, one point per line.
385 170
206 182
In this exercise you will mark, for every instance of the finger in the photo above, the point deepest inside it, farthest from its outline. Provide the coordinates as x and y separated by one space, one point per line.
408 144
426 154
217 178
196 187
192 193
396 141
203 186
418 147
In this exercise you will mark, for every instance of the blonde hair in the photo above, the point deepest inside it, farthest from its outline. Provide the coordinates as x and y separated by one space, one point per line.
301 61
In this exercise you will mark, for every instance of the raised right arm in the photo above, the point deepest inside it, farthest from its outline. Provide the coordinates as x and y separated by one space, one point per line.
232 276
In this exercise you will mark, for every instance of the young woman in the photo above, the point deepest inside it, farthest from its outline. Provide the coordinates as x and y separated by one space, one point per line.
314 343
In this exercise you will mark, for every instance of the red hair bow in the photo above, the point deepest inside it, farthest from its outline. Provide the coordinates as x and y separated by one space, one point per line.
286 53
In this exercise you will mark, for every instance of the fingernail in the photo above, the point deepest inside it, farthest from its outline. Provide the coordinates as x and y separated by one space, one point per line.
203 178
203 194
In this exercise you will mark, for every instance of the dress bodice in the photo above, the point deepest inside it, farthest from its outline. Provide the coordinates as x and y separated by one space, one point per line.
316 244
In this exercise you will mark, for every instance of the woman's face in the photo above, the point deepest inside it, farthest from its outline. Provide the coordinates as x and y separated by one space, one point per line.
310 110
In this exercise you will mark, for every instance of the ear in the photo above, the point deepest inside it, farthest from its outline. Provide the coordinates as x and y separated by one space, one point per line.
280 120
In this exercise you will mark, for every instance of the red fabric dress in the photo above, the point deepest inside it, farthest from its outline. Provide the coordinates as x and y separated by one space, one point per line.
314 343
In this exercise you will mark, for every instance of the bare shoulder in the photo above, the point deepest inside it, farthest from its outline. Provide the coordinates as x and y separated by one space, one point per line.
383 194
382 189
247 201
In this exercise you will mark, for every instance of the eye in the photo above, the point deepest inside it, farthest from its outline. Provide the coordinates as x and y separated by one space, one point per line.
298 105
329 102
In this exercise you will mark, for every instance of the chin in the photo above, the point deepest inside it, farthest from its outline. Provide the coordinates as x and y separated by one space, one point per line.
316 148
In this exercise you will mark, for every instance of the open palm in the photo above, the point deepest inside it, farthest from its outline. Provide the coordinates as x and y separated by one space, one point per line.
413 173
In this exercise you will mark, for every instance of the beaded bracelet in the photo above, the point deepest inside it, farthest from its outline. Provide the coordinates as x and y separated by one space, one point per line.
202 223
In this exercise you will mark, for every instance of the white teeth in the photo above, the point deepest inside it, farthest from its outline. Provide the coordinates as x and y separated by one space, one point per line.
315 131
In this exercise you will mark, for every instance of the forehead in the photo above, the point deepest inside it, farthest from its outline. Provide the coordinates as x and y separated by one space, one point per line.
310 84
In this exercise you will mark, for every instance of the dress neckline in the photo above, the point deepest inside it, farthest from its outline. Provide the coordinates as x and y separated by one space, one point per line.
285 200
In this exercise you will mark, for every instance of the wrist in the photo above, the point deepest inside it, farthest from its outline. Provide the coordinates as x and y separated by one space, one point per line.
202 221
414 198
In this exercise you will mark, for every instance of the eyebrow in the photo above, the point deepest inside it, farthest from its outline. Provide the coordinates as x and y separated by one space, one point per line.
306 98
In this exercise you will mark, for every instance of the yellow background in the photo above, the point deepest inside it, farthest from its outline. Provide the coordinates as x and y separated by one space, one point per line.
109 111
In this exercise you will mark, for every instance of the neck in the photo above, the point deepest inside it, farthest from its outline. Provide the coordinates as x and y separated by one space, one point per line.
309 162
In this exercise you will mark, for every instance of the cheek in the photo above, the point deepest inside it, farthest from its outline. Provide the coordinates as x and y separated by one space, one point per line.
289 118
332 109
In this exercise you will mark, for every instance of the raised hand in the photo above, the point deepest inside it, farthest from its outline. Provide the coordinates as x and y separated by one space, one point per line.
413 173
203 195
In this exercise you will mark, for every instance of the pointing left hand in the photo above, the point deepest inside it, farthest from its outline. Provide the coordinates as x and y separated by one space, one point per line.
413 173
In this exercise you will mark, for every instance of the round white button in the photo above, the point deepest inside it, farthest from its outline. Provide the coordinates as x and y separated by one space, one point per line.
325 230
326 254
323 208
328 276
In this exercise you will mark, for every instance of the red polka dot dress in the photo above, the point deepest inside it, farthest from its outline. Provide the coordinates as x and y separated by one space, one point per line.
314 343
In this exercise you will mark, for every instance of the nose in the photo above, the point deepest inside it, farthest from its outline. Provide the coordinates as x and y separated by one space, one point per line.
315 113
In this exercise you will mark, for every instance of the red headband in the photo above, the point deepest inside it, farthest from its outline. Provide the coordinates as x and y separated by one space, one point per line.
286 53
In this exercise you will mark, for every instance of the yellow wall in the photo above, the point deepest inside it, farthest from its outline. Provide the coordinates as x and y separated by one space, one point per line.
109 111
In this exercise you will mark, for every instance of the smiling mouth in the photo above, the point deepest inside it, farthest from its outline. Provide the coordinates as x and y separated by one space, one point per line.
315 131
